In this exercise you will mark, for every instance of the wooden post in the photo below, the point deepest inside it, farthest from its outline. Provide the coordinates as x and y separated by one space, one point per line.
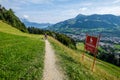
83 56
94 62
84 49
95 53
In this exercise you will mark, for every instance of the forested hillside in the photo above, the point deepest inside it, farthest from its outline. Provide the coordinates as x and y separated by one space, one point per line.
9 17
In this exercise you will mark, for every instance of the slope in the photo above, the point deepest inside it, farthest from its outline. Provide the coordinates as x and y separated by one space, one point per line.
76 69
21 54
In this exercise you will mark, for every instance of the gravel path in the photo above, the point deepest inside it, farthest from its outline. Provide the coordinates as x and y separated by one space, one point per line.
51 71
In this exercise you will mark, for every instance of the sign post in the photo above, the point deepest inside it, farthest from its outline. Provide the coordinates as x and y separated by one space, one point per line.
84 49
94 62
91 44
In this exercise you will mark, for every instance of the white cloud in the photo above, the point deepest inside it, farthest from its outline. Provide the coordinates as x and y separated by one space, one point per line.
87 4
25 16
37 1
83 9
69 12
116 1
16 2
0 1
62 0
109 10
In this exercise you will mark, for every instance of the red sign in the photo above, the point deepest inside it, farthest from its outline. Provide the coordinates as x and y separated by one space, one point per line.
91 44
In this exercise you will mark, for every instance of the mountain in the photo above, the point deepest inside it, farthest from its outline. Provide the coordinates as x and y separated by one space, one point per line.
34 24
84 23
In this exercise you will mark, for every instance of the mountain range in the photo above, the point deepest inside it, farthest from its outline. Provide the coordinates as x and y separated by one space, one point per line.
106 23
35 24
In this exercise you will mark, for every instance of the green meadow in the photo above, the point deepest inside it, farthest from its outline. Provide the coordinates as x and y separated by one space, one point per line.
21 54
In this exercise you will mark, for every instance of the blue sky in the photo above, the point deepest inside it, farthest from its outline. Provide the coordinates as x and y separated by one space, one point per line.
53 11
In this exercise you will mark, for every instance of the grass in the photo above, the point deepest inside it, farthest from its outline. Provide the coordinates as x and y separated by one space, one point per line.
117 46
76 69
21 54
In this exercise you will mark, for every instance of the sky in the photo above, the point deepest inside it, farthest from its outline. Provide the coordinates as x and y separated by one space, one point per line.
53 11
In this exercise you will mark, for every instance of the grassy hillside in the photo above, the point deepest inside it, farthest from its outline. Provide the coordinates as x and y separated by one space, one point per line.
11 30
21 54
76 69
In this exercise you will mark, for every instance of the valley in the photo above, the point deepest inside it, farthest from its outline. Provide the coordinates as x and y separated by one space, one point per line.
30 50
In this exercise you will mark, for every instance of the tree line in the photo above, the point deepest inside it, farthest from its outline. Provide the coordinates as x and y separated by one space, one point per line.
109 55
64 39
9 17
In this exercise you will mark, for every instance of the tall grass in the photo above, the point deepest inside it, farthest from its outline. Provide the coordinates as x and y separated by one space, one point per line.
20 57
21 54
76 69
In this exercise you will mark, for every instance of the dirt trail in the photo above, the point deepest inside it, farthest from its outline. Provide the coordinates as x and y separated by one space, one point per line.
51 71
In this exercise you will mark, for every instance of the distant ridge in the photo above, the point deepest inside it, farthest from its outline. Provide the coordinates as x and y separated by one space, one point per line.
34 24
